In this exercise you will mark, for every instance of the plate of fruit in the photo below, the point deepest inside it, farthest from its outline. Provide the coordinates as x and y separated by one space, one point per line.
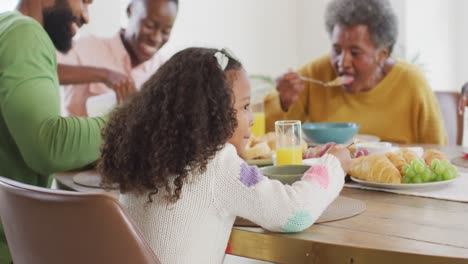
403 169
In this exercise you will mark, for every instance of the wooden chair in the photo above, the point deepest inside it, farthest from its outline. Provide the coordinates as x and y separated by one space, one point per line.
448 102
45 226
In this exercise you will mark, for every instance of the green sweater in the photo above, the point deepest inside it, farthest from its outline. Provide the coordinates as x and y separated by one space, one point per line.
35 141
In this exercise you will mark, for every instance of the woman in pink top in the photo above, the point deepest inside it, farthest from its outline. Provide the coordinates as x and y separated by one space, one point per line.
121 63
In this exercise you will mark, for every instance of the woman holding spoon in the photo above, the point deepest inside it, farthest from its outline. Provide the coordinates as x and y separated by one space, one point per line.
360 82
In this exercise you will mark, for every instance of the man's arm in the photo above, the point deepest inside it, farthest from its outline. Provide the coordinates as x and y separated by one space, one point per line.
31 107
71 74
123 85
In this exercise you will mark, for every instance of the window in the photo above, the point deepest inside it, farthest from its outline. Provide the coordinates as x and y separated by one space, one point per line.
7 5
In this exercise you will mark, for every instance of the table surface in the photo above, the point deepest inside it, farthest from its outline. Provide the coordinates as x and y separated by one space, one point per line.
394 228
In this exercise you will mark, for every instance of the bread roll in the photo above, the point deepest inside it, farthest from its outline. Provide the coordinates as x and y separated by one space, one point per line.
375 168
397 159
409 155
432 154
257 151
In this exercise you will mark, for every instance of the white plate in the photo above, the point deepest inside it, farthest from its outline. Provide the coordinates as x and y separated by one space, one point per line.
402 186
365 137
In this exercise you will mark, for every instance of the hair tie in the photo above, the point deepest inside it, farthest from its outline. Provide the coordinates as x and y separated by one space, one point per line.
222 59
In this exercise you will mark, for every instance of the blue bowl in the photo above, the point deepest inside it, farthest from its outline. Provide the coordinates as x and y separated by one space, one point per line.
321 133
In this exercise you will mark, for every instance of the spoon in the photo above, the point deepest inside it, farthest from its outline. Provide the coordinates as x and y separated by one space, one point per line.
338 81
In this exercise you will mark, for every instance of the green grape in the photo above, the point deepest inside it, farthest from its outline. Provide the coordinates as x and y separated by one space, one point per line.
406 179
426 175
446 163
448 175
418 160
406 169
416 179
453 169
435 163
438 178
418 166
411 173
439 170
433 176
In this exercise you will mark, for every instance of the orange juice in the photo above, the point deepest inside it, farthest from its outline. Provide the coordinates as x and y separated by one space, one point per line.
289 156
258 128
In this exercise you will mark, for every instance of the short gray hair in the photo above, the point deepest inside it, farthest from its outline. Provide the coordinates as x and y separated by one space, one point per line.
377 15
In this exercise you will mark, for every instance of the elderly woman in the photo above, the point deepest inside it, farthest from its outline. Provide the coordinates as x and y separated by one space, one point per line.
389 98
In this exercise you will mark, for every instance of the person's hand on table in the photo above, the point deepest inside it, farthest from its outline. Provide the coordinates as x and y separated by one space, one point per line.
343 155
341 152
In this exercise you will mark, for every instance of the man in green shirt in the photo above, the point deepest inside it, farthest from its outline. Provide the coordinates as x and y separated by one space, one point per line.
35 141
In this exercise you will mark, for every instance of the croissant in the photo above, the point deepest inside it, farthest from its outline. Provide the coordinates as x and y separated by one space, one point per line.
432 154
260 150
397 159
375 168
409 155
269 137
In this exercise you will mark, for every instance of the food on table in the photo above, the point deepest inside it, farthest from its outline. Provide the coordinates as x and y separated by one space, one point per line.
258 151
269 137
465 156
341 80
263 147
375 168
432 154
397 159
360 153
411 169
320 150
432 167
408 154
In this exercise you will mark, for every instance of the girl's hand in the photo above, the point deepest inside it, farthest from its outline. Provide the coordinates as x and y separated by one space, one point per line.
343 155
318 151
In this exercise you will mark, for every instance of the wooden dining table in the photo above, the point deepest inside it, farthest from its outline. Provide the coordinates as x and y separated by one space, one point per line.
394 228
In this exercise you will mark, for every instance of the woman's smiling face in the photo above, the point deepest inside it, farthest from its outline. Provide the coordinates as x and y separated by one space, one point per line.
149 27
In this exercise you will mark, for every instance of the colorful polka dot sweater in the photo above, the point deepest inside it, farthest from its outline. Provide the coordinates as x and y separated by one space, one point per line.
196 228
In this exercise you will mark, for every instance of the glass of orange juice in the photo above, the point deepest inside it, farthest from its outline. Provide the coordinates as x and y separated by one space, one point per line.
288 142
258 128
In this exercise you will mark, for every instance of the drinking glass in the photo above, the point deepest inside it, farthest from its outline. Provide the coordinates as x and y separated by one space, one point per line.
288 142
258 128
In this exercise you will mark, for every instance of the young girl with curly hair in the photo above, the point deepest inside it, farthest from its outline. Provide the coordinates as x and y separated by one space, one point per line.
174 151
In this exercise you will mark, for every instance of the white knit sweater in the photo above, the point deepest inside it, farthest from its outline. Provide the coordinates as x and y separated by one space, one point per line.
196 228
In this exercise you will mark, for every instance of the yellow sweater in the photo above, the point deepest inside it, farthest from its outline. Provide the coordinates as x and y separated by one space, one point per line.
401 108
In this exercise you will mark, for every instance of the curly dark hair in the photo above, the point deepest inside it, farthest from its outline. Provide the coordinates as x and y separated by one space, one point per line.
377 15
181 117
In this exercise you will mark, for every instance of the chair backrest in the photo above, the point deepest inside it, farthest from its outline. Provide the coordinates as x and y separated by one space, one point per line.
448 102
45 226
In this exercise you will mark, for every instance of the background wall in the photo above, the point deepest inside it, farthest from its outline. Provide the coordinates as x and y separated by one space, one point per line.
7 5
271 36
431 35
